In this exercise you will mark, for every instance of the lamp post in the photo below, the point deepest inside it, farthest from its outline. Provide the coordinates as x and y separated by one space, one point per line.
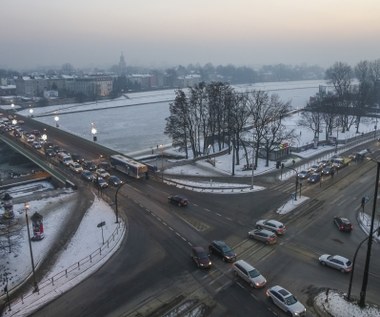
353 269
337 131
56 119
26 207
369 246
44 137
31 112
161 146
14 121
116 202
93 131
252 164
295 193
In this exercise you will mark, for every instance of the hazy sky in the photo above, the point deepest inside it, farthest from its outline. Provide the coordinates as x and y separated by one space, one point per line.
163 33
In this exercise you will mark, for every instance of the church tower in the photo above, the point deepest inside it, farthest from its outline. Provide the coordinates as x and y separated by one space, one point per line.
122 67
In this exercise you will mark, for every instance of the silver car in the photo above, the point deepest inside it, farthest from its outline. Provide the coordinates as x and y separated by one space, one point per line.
286 301
272 225
337 262
249 274
266 236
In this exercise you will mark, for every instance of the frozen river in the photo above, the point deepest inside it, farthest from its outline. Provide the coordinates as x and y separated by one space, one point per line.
137 122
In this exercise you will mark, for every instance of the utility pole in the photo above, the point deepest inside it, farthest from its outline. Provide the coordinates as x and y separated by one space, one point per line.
368 257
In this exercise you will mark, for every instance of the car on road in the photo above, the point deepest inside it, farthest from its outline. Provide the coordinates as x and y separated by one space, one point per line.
249 274
37 145
89 165
303 174
286 301
178 200
272 225
314 178
77 158
337 262
343 224
201 257
315 168
88 176
266 236
328 170
114 181
76 167
102 173
101 182
221 249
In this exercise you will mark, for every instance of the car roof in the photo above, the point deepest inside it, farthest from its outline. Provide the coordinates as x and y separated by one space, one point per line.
198 249
284 292
245 265
275 222
339 257
219 242
269 233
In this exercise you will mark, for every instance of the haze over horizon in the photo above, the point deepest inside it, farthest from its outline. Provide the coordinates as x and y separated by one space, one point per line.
166 33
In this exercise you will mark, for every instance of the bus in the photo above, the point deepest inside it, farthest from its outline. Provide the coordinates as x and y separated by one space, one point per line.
128 166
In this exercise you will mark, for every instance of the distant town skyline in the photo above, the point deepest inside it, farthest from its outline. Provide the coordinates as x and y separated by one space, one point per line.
166 33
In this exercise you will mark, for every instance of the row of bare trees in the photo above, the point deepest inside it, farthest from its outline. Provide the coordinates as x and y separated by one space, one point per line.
355 94
215 115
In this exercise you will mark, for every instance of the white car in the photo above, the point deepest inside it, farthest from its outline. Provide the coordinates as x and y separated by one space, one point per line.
286 301
249 274
76 167
337 262
102 173
272 225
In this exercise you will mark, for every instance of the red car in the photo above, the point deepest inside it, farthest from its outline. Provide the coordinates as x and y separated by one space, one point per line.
343 224
200 257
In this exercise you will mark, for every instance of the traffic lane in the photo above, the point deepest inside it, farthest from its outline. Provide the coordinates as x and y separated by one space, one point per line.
299 271
147 265
238 301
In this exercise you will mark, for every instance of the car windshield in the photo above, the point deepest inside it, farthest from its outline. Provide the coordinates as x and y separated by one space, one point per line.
290 300
202 255
348 263
254 273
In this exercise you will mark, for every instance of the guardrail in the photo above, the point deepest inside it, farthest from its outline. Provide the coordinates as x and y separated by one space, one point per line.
68 274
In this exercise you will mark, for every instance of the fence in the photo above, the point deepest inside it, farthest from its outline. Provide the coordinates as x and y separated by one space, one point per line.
72 272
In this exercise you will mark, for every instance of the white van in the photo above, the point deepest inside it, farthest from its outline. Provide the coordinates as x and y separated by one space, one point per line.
249 274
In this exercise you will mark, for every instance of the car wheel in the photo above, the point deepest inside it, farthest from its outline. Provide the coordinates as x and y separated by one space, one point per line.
323 263
289 313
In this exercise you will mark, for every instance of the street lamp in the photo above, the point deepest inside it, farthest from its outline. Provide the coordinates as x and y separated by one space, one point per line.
161 146
369 246
26 207
116 203
253 165
56 119
93 131
14 121
337 131
293 169
31 112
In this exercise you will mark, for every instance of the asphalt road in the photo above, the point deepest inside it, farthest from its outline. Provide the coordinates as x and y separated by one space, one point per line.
152 271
